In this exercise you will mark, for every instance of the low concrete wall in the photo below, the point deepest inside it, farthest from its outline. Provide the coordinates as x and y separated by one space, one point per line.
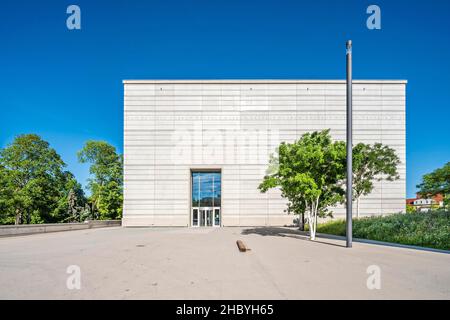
25 229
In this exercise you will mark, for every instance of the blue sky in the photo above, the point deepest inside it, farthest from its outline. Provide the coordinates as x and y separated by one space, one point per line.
66 85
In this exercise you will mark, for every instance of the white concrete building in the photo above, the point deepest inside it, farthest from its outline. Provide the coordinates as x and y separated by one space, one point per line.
196 151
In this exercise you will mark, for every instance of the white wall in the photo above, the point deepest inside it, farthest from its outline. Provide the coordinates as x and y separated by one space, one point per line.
172 127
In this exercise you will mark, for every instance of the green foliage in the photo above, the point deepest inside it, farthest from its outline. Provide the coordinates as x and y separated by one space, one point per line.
106 185
32 181
372 163
72 186
410 208
437 182
309 175
35 188
427 229
310 172
336 227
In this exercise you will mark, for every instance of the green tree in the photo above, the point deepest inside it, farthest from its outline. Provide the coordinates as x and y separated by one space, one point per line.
106 185
437 182
32 180
372 163
6 193
73 200
309 174
410 208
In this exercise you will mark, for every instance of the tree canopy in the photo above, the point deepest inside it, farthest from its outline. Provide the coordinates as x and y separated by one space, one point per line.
35 186
309 175
437 182
311 172
106 183
372 163
32 181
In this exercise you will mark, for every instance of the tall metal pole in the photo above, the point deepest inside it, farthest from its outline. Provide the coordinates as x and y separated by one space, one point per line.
349 199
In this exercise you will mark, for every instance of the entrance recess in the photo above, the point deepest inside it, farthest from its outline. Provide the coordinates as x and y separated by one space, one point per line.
206 199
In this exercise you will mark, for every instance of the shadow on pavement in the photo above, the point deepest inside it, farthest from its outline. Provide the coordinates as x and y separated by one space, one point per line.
285 232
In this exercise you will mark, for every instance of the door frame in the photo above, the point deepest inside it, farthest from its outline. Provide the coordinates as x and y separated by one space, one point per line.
200 211
191 208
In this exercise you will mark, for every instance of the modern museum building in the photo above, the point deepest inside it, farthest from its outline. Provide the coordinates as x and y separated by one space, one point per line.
195 151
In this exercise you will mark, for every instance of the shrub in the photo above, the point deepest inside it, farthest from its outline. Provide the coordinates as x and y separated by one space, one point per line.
428 229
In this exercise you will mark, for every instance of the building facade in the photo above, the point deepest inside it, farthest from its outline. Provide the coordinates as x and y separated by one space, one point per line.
425 204
196 151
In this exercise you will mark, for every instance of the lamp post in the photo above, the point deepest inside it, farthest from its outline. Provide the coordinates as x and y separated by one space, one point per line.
349 198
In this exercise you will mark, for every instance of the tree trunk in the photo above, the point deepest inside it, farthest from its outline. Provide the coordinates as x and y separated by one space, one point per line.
313 228
357 208
18 217
301 221
315 224
312 231
312 217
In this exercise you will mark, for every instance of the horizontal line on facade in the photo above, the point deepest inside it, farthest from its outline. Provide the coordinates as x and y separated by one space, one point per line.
285 108
234 107
159 91
261 86
161 137
401 97
260 103
249 180
228 100
265 115
157 134
291 103
323 95
336 108
227 148
248 91
150 174
251 88
259 81
290 123
249 103
157 214
166 178
239 113
255 103
236 97
200 166
301 131
150 201
151 142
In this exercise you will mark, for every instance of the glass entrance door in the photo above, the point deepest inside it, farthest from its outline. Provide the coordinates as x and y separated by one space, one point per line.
206 199
206 217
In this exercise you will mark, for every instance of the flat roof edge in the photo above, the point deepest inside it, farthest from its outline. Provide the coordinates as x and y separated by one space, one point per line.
243 81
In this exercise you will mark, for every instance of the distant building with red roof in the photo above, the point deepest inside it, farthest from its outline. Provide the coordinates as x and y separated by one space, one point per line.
424 204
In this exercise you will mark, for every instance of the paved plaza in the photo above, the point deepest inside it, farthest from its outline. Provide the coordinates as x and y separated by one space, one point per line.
187 263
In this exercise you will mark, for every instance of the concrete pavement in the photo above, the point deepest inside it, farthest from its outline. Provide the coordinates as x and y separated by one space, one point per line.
186 263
